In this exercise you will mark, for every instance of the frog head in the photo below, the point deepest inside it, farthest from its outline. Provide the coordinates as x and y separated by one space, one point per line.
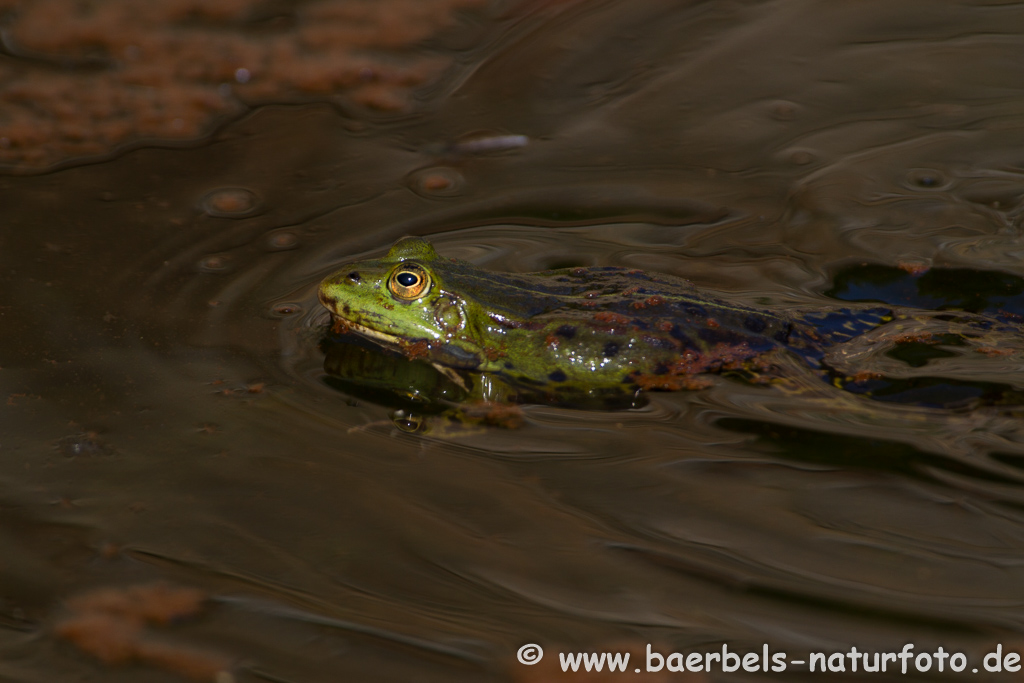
404 302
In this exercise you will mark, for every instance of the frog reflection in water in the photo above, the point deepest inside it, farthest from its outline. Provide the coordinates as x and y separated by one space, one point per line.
577 330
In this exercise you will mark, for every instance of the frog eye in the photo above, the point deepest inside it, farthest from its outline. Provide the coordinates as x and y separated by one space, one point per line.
409 281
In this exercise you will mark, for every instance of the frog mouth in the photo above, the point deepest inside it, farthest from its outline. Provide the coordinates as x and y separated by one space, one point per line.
392 342
343 324
380 337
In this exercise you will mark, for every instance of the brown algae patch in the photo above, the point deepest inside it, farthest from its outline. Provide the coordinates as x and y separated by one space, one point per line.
87 77
113 626
688 372
993 352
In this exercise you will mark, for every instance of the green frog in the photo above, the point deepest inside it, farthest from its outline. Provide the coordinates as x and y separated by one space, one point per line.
598 329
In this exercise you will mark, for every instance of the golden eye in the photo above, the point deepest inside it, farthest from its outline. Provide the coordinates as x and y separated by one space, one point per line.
409 281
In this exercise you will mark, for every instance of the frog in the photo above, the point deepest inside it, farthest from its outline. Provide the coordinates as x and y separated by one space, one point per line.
601 329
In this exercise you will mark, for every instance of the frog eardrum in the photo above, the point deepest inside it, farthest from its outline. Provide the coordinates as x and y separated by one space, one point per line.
409 281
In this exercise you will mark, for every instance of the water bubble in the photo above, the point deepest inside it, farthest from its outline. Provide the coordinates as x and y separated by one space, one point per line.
215 263
282 240
284 309
407 422
782 110
230 202
927 179
436 182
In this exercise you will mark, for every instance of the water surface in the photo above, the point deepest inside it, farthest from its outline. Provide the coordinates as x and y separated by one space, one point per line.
168 417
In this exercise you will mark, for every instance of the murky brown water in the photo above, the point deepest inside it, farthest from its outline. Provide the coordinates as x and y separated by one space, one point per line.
167 416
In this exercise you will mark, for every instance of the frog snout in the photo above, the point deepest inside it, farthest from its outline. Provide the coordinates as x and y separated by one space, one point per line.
325 299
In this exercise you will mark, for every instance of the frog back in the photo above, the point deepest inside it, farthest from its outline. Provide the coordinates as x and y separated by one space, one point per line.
613 326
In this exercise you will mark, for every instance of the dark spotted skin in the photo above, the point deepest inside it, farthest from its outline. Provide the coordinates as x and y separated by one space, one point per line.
579 327
601 326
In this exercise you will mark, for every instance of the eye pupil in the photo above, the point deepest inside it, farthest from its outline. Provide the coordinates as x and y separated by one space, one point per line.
408 282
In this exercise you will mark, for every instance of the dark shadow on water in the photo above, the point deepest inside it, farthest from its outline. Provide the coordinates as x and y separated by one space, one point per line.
853 452
938 289
938 392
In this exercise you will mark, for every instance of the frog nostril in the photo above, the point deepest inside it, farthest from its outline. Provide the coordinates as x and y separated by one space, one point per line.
354 276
